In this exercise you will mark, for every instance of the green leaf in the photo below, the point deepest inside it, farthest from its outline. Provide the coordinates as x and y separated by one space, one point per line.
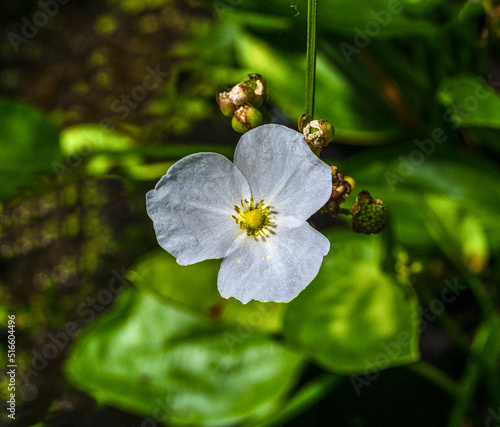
161 362
403 174
29 143
472 9
394 18
377 18
352 109
457 232
86 138
353 318
195 287
470 101
307 396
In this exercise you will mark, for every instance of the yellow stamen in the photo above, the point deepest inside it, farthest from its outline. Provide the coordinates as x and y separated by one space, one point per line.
253 218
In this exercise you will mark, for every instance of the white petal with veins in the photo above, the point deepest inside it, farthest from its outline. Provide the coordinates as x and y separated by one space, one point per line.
191 207
281 169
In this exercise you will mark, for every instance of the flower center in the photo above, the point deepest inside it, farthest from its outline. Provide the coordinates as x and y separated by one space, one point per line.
253 218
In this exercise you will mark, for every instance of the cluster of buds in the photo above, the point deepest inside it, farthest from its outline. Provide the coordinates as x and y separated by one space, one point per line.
368 214
317 133
242 103
341 188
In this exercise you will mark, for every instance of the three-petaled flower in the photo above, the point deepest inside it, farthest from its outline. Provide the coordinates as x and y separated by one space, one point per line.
252 213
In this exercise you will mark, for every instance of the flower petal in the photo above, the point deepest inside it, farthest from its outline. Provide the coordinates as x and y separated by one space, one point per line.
282 170
277 269
192 207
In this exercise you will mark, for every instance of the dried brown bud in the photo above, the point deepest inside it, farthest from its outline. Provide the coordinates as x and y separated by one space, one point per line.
341 189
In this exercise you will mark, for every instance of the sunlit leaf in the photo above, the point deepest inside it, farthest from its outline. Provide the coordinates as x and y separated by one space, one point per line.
339 100
161 362
85 139
457 232
471 101
195 287
353 318
401 175
376 18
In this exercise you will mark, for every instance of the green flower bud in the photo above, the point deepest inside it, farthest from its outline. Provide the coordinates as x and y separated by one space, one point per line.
369 214
245 118
251 91
226 104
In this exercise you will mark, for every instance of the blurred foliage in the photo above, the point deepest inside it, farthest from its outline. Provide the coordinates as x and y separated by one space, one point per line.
28 143
160 360
108 95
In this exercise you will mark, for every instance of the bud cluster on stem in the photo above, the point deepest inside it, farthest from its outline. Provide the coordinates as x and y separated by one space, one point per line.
242 102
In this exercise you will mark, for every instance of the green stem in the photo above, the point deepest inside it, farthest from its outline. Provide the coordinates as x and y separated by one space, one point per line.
466 394
436 375
345 211
482 298
480 363
312 13
307 396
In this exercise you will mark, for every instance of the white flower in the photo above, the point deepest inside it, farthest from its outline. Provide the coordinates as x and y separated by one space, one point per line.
251 212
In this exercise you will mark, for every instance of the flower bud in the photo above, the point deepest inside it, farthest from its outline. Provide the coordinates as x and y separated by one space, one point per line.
317 133
241 94
258 84
369 214
226 104
251 91
245 118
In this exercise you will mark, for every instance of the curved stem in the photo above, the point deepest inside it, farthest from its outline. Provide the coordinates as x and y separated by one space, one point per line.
312 13
436 375
307 396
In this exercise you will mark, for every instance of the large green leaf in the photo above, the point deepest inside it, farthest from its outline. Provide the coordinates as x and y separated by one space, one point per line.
353 318
378 18
195 287
162 362
458 232
470 101
29 143
402 175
